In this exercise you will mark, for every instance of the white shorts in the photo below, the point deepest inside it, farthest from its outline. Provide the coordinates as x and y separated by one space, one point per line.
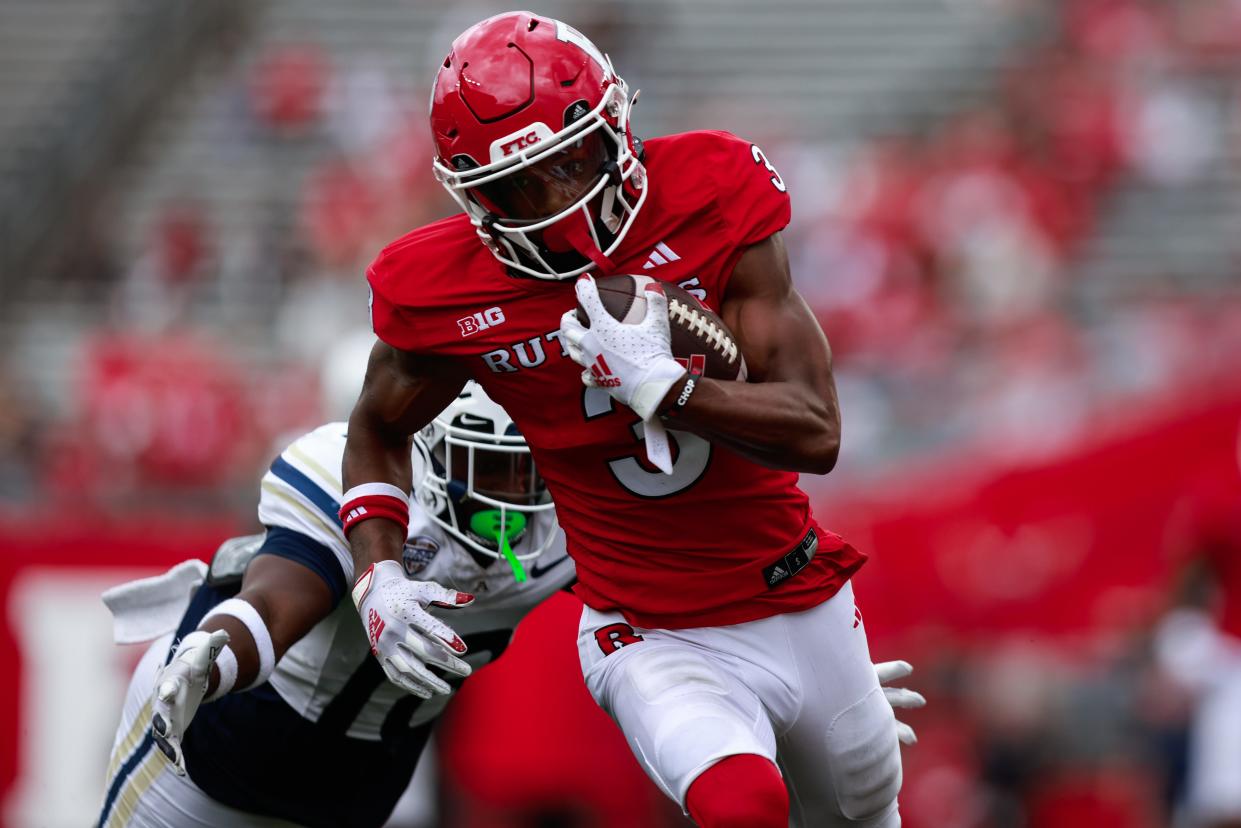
142 789
1214 781
798 689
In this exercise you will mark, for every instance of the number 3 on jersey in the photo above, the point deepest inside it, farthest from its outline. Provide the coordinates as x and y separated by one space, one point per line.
760 158
691 455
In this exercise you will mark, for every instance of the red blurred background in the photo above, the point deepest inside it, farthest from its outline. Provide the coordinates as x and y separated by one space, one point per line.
1015 220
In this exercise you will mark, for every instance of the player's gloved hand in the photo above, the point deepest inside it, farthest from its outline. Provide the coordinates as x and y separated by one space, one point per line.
900 697
403 635
179 689
632 361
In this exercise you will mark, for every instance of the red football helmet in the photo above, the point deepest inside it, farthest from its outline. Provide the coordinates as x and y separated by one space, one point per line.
531 130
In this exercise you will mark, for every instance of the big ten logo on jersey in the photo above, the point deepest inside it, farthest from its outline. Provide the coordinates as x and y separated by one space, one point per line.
529 353
480 321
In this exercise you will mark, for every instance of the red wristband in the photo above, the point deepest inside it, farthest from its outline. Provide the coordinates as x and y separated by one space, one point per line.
369 506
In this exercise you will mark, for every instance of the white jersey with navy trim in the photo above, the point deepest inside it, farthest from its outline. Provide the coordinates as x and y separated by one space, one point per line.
327 740
302 492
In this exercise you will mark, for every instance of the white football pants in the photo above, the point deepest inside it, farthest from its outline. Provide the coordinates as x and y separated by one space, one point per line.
143 791
1214 779
798 689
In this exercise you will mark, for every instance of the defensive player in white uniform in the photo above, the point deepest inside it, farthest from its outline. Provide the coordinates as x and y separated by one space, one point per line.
319 738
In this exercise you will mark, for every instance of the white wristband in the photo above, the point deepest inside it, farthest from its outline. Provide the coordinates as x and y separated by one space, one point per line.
226 662
370 489
248 615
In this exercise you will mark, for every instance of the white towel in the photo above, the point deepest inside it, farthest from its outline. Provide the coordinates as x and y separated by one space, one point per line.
147 608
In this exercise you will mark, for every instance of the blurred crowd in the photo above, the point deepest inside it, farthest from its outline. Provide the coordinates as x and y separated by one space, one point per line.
944 262
1098 730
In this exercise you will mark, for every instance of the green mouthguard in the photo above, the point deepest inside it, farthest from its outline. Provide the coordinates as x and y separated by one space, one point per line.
491 525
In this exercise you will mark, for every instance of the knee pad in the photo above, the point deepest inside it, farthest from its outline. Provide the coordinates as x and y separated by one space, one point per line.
740 791
865 758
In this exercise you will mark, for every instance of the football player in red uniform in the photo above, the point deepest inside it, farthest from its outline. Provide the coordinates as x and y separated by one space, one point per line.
720 630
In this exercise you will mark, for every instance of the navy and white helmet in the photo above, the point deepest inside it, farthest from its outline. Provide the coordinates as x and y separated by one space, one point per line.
479 481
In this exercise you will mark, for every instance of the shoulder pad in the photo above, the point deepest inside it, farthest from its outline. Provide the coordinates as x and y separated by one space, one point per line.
229 562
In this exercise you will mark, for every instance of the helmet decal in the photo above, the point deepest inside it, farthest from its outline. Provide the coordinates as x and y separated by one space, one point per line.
568 34
520 140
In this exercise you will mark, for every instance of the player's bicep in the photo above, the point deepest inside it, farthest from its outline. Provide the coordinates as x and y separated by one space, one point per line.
777 332
290 596
403 391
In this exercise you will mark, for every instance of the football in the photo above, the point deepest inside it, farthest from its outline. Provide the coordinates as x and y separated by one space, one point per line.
699 336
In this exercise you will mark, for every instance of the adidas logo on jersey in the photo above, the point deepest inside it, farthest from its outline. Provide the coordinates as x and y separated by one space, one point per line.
602 374
661 255
778 574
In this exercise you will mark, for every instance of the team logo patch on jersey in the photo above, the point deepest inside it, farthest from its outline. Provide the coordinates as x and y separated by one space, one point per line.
418 553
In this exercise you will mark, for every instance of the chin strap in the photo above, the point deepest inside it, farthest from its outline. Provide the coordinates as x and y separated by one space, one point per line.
573 233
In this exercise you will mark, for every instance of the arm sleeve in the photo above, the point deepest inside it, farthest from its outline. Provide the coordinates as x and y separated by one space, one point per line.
316 557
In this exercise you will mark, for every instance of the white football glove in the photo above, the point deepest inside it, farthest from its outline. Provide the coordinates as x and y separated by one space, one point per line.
632 361
403 635
179 690
889 671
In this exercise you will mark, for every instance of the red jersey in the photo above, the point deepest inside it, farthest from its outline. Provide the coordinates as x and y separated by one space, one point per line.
698 547
1221 545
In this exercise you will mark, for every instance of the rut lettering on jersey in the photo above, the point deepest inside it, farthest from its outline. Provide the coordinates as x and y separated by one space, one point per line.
529 353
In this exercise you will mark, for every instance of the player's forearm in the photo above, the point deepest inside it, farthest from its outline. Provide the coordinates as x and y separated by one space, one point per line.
375 454
241 642
781 425
286 600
